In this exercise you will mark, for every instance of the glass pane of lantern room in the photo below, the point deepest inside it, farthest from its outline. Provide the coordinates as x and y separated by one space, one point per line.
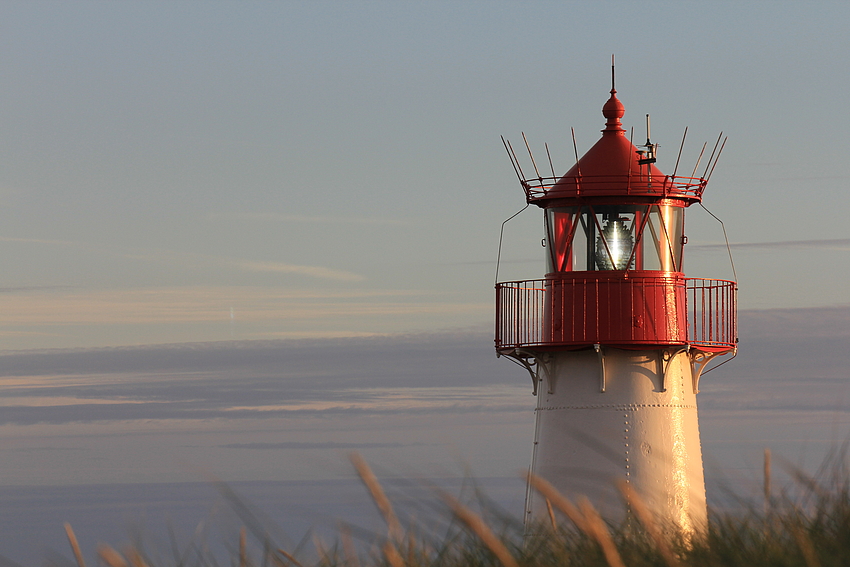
559 222
579 244
662 238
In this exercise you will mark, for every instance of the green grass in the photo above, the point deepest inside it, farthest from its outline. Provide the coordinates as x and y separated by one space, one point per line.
806 524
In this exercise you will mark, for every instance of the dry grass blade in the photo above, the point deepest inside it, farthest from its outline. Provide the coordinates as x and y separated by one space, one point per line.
110 556
558 500
640 509
480 529
243 552
806 546
320 550
767 489
378 496
288 557
75 547
393 556
596 528
411 546
348 549
551 515
135 558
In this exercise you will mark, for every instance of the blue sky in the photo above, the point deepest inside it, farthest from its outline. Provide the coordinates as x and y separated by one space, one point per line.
270 228
179 172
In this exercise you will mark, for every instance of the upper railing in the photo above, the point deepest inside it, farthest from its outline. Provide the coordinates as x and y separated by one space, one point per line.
667 186
553 313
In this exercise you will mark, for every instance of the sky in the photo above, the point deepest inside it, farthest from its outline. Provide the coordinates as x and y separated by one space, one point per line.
242 239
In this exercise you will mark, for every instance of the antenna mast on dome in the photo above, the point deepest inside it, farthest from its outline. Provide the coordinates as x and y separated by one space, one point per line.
613 90
647 156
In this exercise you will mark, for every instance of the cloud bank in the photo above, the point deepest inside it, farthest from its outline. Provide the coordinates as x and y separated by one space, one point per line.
413 397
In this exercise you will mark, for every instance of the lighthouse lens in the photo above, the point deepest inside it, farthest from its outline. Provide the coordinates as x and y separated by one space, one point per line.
614 245
599 237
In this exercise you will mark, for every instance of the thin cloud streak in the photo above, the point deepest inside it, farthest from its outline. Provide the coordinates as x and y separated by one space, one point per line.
196 304
35 288
312 271
279 217
171 257
260 380
830 244
39 241
101 413
181 258
325 445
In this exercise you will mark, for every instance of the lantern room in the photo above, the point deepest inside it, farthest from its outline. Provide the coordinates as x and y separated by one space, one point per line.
615 237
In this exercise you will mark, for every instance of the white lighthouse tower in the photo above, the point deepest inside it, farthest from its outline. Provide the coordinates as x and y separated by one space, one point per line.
615 337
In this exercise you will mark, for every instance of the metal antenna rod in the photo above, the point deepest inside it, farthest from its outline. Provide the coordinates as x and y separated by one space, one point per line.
575 151
552 167
647 130
681 146
717 158
517 161
531 156
511 157
578 165
629 162
612 72
501 236
699 159
575 147
712 154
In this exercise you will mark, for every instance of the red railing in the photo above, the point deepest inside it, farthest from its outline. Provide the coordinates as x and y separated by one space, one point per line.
712 313
519 313
522 311
667 186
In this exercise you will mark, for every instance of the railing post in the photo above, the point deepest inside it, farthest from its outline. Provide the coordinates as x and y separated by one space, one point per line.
498 322
518 313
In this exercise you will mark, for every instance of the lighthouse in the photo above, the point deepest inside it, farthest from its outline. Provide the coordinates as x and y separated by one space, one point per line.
614 336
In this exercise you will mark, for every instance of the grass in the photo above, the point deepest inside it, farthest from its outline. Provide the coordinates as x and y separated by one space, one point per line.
806 525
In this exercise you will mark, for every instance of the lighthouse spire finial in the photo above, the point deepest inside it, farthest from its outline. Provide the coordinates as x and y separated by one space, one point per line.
613 110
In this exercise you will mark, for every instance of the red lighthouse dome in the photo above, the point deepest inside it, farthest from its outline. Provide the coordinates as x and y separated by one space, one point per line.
614 169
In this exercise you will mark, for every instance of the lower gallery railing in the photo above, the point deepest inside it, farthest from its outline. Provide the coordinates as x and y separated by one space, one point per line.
522 311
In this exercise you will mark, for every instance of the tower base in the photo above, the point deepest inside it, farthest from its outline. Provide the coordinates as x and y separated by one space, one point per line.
608 416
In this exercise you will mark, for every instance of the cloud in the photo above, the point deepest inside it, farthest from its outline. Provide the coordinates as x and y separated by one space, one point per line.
832 244
35 288
418 393
325 445
39 241
279 217
409 374
789 359
202 410
204 304
182 258
804 324
311 271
